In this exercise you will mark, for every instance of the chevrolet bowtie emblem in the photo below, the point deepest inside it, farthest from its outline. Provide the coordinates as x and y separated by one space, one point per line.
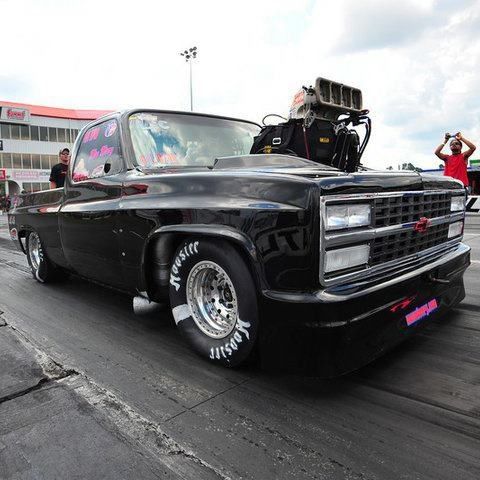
422 225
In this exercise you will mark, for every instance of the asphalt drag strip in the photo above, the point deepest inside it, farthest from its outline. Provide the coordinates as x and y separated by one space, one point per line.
131 384
59 424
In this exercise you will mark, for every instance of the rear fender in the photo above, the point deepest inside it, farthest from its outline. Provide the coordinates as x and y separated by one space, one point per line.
22 235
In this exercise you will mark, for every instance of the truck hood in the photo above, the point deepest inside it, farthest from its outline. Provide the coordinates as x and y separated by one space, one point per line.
334 181
387 181
247 182
267 161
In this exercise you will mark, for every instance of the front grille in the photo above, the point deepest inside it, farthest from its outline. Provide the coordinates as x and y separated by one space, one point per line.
398 245
409 208
392 235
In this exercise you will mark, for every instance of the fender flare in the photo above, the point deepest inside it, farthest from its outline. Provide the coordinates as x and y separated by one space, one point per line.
163 237
23 232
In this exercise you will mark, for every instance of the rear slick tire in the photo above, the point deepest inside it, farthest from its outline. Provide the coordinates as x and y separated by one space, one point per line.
214 300
42 269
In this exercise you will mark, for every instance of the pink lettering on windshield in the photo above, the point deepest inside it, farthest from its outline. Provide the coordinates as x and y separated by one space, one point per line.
105 151
166 158
91 135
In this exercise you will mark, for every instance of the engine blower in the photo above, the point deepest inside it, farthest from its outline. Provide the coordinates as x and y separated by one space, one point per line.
320 127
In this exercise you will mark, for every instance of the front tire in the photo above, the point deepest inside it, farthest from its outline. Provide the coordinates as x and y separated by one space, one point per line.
214 300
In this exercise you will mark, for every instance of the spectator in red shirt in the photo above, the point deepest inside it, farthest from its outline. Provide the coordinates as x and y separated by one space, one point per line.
456 163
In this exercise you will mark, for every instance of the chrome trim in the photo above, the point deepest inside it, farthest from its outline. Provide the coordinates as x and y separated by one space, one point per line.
367 196
212 299
34 250
366 235
342 295
396 264
344 238
451 254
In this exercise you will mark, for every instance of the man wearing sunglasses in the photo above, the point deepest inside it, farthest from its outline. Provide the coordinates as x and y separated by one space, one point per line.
456 163
59 171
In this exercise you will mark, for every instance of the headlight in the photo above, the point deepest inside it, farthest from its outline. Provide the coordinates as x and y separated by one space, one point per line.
344 258
455 229
458 203
348 216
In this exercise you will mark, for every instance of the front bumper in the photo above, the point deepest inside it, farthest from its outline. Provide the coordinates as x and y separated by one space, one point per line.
333 331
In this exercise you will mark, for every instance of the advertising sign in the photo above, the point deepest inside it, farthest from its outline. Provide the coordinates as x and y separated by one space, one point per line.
31 175
14 115
3 174
473 204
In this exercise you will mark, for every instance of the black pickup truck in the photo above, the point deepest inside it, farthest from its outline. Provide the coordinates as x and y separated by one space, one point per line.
273 254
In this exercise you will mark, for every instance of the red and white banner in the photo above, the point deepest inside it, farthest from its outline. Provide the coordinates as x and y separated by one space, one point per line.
30 175
14 115
3 174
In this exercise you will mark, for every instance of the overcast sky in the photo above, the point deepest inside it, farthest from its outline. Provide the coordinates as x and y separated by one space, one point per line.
417 62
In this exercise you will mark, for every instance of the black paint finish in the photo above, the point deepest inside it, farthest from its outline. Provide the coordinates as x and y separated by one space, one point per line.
268 206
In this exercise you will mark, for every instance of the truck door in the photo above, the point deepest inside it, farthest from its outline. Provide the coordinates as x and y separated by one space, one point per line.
88 217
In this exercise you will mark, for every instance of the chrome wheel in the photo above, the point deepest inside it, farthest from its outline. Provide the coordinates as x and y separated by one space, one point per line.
212 299
34 250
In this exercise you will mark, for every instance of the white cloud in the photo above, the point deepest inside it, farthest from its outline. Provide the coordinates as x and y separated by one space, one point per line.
416 62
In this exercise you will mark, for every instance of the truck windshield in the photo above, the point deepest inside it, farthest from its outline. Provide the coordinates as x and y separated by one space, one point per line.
167 139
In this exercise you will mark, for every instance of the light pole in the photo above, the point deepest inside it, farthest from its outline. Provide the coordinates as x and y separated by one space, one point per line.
189 55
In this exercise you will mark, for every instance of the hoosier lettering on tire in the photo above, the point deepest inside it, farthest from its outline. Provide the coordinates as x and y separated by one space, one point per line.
214 301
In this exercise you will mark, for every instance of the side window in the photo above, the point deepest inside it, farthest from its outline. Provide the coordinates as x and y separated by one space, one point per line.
99 153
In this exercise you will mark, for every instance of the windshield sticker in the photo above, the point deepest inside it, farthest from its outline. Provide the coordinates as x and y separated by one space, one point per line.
91 135
80 172
164 139
97 171
144 117
163 125
169 158
79 176
421 312
158 159
110 128
158 126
